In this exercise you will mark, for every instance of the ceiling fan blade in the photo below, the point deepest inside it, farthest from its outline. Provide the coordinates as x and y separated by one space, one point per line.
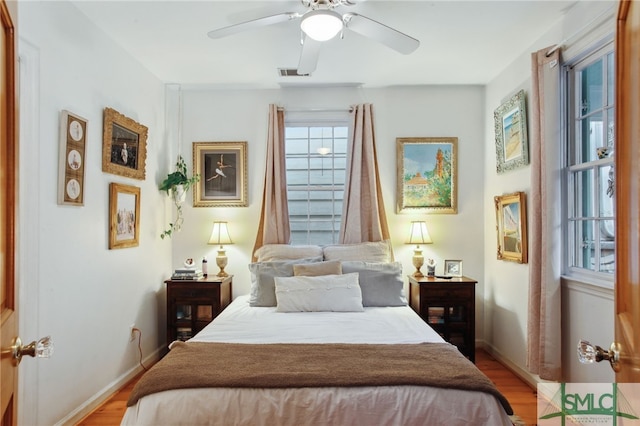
380 32
255 23
309 55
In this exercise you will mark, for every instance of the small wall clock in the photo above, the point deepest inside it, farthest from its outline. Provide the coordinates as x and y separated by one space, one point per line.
73 131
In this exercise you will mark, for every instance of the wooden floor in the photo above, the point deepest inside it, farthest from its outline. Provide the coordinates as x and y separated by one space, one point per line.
521 397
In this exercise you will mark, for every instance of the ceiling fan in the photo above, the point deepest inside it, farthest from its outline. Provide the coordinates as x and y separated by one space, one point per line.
320 23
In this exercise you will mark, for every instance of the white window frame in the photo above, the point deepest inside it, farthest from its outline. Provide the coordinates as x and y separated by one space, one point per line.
320 119
570 101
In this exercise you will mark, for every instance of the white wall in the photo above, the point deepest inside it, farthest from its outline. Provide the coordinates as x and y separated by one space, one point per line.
72 286
507 283
241 115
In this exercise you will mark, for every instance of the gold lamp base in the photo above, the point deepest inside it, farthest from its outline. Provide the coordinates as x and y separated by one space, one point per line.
418 261
221 261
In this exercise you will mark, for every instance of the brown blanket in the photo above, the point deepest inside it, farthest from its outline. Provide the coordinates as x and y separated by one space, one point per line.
198 365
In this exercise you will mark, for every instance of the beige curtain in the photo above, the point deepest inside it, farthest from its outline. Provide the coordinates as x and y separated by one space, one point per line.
363 216
544 344
274 218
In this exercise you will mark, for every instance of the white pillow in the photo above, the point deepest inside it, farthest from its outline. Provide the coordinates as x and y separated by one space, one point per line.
279 252
379 251
332 293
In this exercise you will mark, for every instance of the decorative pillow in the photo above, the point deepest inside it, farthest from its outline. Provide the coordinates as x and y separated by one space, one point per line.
379 251
381 283
280 252
263 290
333 267
334 293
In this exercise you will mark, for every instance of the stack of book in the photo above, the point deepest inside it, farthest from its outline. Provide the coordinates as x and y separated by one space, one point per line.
187 274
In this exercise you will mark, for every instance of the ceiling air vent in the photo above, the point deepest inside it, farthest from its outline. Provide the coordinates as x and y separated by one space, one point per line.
290 72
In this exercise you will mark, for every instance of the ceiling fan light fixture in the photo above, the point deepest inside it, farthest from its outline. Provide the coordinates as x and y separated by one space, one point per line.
321 24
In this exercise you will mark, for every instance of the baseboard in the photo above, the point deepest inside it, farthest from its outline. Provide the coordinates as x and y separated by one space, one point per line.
531 379
105 393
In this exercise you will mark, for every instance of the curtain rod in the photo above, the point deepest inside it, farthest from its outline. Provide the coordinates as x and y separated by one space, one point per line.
602 17
350 109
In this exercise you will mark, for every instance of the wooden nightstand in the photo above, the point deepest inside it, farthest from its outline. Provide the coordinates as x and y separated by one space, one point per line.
191 305
449 307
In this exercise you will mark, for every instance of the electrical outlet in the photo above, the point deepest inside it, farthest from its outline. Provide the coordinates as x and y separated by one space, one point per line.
132 332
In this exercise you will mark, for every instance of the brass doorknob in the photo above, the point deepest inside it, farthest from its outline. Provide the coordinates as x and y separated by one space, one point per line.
588 354
43 348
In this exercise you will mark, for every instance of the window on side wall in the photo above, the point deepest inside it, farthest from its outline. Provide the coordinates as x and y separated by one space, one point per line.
590 169
316 156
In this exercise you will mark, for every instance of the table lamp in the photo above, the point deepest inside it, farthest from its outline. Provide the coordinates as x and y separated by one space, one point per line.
220 236
419 235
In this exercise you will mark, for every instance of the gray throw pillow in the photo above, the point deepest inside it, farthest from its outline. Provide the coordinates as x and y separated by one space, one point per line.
381 283
263 288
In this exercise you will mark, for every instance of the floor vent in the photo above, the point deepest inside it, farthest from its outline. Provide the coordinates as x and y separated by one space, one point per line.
290 72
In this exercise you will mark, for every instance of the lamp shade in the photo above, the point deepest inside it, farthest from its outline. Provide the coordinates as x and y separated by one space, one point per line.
220 234
321 24
419 233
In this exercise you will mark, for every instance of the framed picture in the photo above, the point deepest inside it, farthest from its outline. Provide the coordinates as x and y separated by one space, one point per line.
71 171
453 268
124 145
427 179
222 167
512 147
124 216
511 218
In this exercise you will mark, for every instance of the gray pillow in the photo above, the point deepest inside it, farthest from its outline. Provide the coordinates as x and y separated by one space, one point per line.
263 288
381 283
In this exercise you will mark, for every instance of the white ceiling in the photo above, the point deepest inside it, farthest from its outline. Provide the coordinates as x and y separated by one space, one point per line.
462 42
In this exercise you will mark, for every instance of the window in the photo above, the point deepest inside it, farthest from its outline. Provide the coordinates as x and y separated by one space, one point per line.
316 156
590 177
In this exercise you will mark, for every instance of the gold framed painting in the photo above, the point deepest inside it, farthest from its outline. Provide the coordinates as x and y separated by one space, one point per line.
512 146
124 216
427 180
222 167
124 145
71 170
511 227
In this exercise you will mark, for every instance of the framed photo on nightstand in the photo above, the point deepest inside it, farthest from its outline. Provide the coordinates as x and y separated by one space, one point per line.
453 268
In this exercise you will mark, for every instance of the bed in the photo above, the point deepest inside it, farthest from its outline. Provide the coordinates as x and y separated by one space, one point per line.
339 349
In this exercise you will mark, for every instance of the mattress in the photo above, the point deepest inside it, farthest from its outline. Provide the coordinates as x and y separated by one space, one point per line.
366 405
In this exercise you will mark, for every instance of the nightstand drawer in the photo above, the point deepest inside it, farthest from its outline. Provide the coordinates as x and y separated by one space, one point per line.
193 293
438 293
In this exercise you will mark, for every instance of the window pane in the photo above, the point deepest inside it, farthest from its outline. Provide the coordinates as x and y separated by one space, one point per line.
606 194
611 130
583 194
611 75
607 246
584 246
315 182
591 99
592 137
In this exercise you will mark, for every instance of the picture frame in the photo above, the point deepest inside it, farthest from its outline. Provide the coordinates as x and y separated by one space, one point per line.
222 167
124 145
427 178
453 268
71 159
512 144
511 227
124 216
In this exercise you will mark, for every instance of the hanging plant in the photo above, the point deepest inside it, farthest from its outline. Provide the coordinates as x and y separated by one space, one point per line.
176 185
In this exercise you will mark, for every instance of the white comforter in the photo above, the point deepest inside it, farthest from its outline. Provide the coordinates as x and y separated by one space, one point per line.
399 405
